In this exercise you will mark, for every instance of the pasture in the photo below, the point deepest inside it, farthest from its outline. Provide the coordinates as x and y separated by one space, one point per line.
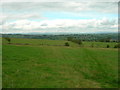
37 63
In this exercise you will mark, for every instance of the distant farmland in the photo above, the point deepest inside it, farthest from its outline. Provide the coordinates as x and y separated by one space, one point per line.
39 63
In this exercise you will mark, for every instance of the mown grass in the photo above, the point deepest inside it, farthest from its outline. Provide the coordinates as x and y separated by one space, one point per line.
59 67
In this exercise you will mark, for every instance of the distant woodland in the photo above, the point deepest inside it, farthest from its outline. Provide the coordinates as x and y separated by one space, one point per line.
104 37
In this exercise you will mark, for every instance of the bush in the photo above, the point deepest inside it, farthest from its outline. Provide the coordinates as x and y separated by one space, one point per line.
108 46
67 44
8 39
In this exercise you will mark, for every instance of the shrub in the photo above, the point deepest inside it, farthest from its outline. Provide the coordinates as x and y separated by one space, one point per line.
108 46
67 44
8 39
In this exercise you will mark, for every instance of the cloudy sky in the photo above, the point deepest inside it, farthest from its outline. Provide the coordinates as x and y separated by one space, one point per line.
59 17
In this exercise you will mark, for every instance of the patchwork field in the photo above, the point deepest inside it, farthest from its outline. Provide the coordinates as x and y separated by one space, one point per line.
35 63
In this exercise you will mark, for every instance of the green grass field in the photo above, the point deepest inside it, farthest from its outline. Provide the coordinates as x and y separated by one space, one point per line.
41 66
45 42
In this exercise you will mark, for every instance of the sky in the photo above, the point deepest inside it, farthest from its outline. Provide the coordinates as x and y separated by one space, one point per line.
58 17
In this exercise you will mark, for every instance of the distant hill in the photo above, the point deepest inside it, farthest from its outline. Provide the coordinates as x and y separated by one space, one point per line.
83 36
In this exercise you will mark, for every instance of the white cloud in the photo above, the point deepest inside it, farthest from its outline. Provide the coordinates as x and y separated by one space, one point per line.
7 17
60 25
110 7
29 17
58 0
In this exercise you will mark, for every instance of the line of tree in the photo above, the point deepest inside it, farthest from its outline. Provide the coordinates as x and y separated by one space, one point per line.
78 41
105 39
112 37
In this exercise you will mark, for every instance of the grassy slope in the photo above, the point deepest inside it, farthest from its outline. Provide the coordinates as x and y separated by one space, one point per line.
38 41
50 66
59 42
100 44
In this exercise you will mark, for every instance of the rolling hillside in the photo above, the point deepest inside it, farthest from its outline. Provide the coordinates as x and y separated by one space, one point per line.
43 66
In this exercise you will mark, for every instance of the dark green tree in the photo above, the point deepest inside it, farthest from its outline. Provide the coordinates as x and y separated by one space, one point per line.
108 46
8 39
67 44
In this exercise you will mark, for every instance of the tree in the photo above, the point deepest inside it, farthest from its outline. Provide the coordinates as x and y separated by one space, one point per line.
67 44
108 46
8 39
